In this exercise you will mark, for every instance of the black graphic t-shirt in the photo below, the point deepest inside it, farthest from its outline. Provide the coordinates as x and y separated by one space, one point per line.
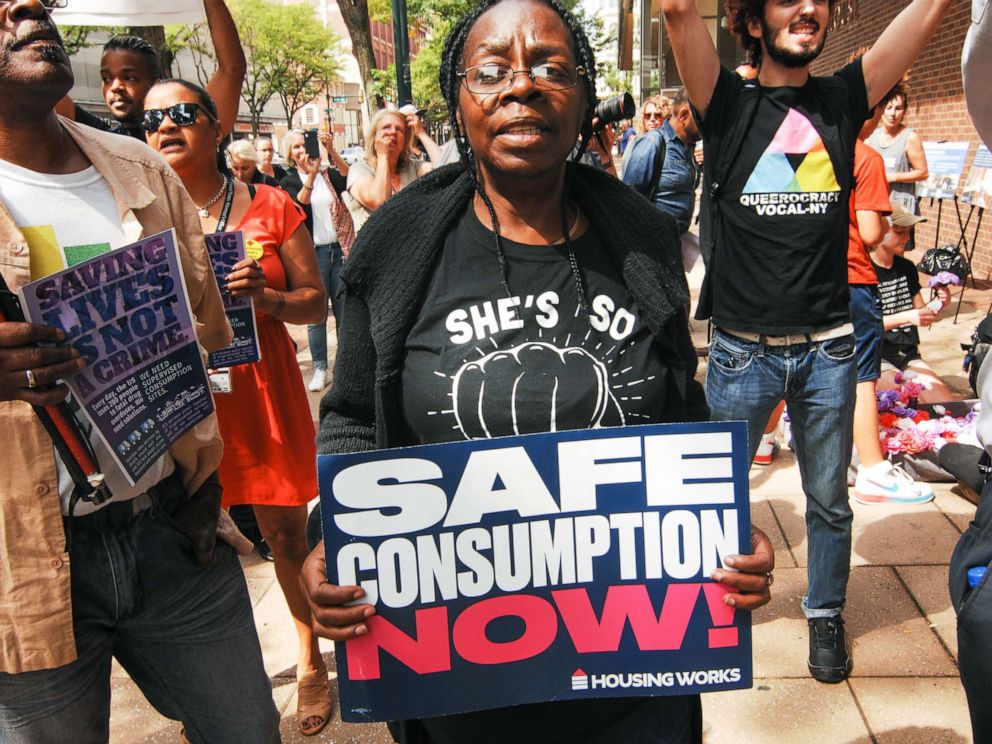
779 263
898 286
480 364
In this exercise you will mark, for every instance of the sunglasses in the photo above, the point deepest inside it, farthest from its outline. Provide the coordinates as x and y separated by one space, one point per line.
182 115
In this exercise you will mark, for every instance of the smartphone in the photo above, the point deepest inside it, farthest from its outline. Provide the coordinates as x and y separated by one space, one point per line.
311 143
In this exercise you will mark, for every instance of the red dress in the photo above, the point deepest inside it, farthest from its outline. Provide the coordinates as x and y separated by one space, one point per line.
270 448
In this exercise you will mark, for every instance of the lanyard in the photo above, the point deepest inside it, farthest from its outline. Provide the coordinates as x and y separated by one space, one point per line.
225 211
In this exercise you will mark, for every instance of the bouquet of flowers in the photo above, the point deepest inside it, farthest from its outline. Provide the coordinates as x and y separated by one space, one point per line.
938 282
907 428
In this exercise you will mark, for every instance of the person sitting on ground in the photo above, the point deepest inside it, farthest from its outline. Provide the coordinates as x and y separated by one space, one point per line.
904 310
266 152
243 161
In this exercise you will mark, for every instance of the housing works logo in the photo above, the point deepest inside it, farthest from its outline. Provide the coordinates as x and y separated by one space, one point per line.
582 681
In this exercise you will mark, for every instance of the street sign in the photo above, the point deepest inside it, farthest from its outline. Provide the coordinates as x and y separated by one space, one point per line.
339 99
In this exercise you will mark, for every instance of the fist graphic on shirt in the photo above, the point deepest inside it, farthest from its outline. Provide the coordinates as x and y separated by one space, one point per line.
531 388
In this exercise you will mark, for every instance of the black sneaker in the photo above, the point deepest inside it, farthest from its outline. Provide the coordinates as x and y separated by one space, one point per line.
829 660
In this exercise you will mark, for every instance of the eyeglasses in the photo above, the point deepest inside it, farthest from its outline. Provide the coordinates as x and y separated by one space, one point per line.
495 78
182 115
654 115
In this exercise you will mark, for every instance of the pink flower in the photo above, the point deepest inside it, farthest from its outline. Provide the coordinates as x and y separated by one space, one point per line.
892 445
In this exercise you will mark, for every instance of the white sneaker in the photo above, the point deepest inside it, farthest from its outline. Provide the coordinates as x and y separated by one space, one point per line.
885 483
767 450
318 382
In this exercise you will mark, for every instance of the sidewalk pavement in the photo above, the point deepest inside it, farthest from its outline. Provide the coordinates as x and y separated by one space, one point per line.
904 688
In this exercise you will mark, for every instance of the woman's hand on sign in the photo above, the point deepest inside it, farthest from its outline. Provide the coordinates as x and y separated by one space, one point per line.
246 280
28 371
332 617
750 575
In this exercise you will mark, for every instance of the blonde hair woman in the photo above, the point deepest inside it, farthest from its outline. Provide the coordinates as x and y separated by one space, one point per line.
243 161
388 165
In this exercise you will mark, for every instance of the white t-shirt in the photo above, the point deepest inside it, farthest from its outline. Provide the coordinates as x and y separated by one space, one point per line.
72 217
320 203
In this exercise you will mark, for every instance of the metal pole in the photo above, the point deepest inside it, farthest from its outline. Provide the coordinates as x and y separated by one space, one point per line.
401 45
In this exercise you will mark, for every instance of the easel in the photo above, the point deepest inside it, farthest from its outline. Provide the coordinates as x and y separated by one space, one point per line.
966 250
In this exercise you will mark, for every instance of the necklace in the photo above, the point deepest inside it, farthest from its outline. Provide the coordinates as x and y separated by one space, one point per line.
204 211
571 230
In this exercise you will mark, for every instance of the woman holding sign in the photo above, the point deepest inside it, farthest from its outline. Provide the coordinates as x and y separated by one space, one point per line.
265 421
539 296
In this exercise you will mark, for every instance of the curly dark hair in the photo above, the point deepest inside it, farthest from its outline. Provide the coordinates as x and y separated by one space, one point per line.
739 14
451 63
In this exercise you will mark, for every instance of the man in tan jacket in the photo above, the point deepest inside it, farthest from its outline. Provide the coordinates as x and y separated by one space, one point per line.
141 578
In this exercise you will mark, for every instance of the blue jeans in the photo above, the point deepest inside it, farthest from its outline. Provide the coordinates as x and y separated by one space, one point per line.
745 381
329 258
184 634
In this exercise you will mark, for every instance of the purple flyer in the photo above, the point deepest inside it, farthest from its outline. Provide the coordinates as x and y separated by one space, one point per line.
127 312
226 249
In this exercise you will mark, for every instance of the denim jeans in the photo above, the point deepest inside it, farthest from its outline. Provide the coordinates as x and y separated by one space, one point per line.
745 381
184 634
329 258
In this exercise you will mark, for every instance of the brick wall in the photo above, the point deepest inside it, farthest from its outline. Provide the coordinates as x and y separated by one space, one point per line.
937 109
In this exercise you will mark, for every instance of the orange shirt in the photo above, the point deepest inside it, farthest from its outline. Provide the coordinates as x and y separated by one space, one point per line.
870 193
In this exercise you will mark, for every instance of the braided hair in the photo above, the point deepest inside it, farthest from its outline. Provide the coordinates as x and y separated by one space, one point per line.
451 61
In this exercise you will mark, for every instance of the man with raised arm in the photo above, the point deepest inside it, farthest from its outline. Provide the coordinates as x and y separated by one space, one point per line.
130 66
779 153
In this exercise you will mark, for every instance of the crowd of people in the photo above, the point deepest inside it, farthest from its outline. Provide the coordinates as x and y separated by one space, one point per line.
813 308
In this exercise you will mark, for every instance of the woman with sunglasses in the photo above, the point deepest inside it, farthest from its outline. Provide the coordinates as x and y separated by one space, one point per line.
552 241
269 451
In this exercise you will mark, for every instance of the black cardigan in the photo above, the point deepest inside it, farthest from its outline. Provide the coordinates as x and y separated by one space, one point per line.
394 257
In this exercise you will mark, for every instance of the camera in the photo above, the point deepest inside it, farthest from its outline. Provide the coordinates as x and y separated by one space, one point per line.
612 110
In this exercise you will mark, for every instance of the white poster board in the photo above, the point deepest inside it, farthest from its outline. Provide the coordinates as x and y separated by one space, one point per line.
129 12
978 189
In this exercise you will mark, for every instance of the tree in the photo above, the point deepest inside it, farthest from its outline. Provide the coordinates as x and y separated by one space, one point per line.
196 40
356 18
254 19
303 60
76 37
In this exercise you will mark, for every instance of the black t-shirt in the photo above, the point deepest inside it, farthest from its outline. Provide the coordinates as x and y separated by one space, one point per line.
779 264
91 120
898 286
480 364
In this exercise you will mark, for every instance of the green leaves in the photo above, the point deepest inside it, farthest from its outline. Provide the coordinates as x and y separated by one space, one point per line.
290 55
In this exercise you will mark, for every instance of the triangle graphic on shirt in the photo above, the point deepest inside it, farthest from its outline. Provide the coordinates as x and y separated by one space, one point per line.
795 161
498 484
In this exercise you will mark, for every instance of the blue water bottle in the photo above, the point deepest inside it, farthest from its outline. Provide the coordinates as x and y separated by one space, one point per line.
975 576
